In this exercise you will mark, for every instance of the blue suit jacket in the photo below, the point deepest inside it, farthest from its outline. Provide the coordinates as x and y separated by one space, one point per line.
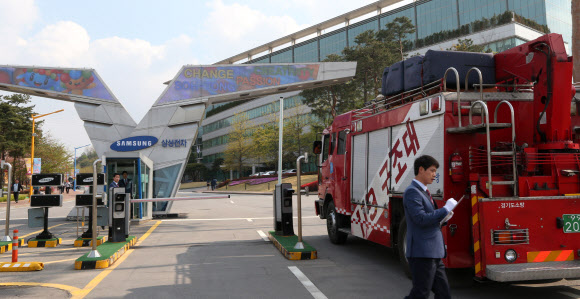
424 237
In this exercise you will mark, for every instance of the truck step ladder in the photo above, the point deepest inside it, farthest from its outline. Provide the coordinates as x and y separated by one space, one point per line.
486 126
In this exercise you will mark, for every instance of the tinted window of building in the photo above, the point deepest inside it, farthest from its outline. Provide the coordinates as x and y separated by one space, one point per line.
284 57
263 59
357 29
559 18
306 52
409 13
505 44
436 16
332 44
476 10
531 9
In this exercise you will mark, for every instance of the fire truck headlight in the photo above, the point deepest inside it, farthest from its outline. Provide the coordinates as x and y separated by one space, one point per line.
510 255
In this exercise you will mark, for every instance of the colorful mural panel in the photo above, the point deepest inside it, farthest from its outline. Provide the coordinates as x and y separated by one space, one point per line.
195 82
68 81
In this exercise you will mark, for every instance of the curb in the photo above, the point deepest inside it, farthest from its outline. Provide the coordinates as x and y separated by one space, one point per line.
44 243
21 267
6 246
293 255
80 242
105 262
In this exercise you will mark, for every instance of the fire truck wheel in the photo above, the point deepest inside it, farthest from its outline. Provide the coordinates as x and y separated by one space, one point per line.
402 247
332 225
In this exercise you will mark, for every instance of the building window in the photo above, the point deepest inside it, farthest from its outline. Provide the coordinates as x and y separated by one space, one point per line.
284 57
357 29
306 52
332 44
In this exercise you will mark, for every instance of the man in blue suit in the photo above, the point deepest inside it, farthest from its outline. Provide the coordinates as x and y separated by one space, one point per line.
425 246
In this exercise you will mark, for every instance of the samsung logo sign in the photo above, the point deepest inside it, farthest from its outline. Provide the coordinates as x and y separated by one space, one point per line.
46 180
88 180
134 143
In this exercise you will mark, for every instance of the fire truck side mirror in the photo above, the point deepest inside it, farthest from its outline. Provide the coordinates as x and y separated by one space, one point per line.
317 147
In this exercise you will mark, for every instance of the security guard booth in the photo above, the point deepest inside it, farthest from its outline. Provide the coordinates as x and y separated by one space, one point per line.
140 173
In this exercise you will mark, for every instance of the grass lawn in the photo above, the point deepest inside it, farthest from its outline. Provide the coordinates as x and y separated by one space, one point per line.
20 197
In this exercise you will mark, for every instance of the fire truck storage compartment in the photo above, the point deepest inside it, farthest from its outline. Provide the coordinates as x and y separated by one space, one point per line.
413 67
436 63
384 81
359 158
394 82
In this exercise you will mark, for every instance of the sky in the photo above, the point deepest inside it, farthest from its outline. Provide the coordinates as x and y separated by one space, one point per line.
135 46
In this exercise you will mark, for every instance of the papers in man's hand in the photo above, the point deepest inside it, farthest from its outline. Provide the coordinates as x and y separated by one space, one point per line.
450 214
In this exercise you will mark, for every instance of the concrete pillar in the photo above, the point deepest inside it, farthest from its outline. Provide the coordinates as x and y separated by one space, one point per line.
231 174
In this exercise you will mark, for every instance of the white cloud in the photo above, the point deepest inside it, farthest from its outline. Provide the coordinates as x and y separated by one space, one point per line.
234 28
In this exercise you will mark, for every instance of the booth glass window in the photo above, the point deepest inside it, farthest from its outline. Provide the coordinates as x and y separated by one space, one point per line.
163 181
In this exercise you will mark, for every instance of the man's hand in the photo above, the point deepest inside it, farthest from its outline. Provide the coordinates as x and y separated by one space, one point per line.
450 204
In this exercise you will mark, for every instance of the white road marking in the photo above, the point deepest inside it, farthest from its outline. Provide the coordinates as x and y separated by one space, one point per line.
228 219
231 201
314 291
263 235
569 294
250 220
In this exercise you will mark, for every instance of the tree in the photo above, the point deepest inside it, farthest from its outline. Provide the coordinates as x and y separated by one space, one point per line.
466 45
333 99
196 171
265 142
396 32
55 157
87 158
298 135
239 147
372 53
15 130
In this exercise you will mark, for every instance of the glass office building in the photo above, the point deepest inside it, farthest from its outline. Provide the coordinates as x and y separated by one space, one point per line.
497 24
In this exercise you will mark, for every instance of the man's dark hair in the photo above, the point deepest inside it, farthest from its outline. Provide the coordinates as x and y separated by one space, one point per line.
425 161
116 174
124 172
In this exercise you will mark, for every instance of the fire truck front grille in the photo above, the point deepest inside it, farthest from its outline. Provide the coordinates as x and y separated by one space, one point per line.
510 237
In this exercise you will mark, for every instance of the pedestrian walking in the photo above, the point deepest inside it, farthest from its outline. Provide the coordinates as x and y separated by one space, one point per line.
213 184
67 186
16 188
425 246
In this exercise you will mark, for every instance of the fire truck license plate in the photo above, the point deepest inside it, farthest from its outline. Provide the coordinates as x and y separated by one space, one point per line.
571 223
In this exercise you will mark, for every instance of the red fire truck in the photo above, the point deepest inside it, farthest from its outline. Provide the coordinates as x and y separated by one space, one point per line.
511 147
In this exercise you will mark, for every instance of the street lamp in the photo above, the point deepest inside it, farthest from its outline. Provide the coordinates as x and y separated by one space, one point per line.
75 169
34 117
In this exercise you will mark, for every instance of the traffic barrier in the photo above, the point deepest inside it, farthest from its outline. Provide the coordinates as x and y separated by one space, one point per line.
21 267
44 243
285 245
15 247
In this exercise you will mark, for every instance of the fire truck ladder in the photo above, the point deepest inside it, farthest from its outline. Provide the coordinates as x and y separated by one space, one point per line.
485 125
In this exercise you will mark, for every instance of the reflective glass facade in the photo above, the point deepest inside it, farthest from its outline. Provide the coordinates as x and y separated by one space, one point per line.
163 181
282 57
306 52
505 44
332 44
436 16
408 12
437 21
475 10
359 28
559 18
